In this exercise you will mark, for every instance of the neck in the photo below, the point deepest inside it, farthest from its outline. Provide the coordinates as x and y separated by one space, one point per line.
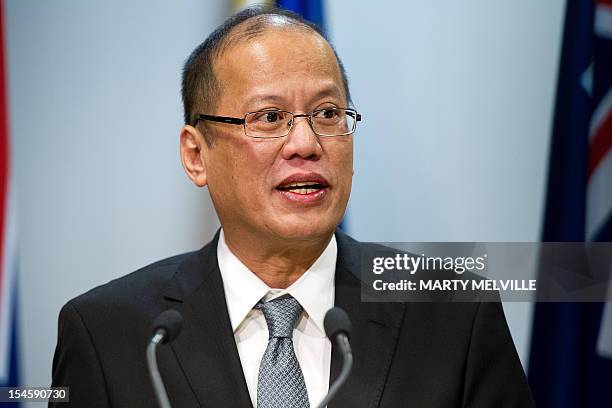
278 264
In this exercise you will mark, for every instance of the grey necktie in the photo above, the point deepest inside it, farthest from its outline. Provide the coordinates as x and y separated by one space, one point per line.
281 382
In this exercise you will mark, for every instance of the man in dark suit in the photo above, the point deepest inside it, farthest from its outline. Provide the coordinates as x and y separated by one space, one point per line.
269 131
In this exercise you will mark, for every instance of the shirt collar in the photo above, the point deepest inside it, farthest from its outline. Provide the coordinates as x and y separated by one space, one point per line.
243 289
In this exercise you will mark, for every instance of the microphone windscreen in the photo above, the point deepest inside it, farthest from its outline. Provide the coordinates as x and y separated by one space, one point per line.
171 321
336 321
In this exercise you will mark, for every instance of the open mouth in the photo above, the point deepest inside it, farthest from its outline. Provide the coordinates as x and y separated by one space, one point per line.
304 188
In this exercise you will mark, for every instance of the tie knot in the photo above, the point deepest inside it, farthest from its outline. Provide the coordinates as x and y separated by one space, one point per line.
281 315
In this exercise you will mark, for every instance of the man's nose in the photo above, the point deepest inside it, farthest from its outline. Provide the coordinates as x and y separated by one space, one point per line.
302 141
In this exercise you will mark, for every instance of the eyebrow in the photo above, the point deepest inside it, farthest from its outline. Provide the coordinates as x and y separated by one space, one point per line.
332 91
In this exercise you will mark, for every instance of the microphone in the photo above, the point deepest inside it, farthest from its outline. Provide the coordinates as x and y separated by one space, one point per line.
166 328
338 327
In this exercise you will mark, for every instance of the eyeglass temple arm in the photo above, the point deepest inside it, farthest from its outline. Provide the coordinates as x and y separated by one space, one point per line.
354 114
222 119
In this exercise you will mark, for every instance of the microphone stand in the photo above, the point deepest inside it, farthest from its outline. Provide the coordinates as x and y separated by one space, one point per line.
347 363
158 384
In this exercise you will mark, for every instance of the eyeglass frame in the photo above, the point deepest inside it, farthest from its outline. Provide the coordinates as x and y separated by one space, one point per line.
242 121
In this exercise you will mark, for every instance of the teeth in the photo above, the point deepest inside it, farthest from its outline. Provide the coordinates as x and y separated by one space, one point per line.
304 190
299 184
302 187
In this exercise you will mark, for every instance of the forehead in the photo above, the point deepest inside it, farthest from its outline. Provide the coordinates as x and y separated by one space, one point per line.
279 56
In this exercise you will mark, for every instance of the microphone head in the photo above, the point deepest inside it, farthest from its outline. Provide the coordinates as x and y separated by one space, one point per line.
336 321
171 322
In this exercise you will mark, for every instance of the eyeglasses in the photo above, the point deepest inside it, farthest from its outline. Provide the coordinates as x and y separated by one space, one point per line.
274 123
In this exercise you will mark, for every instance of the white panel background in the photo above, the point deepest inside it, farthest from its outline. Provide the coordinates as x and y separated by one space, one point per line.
457 99
95 114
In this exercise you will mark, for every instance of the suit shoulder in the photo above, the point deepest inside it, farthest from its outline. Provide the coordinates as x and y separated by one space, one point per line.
138 286
346 242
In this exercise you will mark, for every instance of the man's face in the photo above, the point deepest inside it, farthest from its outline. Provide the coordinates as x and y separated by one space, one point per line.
249 179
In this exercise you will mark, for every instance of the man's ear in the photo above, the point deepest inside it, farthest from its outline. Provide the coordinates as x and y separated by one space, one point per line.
194 152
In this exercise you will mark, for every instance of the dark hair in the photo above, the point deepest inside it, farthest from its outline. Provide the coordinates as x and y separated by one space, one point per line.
200 87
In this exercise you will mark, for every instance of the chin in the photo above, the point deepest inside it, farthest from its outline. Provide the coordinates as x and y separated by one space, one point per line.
306 229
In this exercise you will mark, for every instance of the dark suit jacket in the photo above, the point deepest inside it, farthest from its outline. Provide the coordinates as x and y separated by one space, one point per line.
406 355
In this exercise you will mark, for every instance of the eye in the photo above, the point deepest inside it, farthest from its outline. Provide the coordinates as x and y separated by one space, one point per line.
329 113
271 117
267 116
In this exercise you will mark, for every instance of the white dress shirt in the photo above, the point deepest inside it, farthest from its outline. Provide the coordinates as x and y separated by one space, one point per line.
315 292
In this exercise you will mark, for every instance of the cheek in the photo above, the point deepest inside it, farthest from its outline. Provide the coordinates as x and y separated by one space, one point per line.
342 157
247 168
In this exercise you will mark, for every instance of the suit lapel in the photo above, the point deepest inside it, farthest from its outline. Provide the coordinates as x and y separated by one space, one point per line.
374 335
206 349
